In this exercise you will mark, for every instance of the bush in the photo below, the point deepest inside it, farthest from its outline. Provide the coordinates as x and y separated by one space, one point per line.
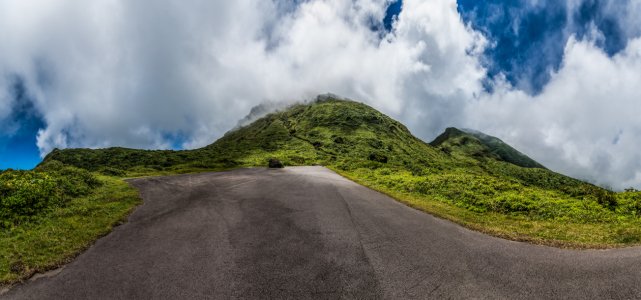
28 193
160 168
52 165
297 160
633 203
384 171
606 198
344 166
416 170
112 172
378 157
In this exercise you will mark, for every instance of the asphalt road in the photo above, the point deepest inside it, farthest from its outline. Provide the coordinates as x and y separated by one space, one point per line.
308 233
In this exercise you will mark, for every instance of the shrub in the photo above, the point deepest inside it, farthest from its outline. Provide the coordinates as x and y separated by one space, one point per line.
297 160
416 170
374 143
606 198
160 168
378 157
384 171
344 166
635 206
28 193
52 165
112 172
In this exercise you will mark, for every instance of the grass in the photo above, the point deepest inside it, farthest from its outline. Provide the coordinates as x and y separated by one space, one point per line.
56 237
560 233
504 151
470 182
54 212
529 206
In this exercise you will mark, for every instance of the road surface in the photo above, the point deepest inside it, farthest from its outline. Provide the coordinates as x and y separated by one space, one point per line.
308 233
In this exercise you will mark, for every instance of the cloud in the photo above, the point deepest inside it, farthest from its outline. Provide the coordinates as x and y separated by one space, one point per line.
584 123
131 74
169 73
6 100
527 37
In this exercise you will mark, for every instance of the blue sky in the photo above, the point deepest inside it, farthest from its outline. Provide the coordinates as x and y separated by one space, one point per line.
18 148
555 79
530 39
525 51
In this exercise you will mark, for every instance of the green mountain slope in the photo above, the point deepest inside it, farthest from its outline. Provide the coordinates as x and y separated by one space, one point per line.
456 175
473 180
318 133
481 146
333 129
457 142
505 151
327 131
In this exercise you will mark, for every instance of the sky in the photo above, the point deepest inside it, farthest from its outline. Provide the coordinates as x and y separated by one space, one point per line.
557 80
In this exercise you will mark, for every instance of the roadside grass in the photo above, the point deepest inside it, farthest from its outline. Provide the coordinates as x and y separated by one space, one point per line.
560 232
252 159
52 237
461 180
56 237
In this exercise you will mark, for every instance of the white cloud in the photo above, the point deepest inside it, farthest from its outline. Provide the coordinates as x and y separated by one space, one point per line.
131 73
5 105
585 123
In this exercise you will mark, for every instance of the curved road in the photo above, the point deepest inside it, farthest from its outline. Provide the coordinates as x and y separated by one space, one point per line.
308 233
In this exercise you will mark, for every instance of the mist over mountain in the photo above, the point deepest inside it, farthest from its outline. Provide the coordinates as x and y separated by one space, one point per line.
328 130
503 150
558 78
266 108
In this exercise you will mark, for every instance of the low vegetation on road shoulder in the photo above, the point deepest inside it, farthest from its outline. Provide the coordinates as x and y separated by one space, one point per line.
473 180
510 210
53 213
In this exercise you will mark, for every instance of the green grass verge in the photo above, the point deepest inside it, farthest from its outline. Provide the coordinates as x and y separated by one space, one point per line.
456 177
56 237
556 233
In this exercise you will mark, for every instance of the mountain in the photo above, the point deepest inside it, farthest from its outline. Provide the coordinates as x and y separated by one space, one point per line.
503 150
455 141
269 107
318 132
326 131
467 177
482 146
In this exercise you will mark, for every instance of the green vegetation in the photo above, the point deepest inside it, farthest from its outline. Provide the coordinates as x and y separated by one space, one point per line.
471 174
505 151
25 194
51 213
519 225
480 145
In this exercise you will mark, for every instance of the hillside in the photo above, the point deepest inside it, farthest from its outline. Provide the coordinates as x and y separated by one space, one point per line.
457 142
504 151
326 131
464 173
482 146
322 132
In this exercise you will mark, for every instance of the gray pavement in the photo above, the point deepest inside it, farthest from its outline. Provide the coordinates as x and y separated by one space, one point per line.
308 233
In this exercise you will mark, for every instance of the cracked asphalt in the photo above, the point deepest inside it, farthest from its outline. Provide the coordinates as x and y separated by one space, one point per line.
308 233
